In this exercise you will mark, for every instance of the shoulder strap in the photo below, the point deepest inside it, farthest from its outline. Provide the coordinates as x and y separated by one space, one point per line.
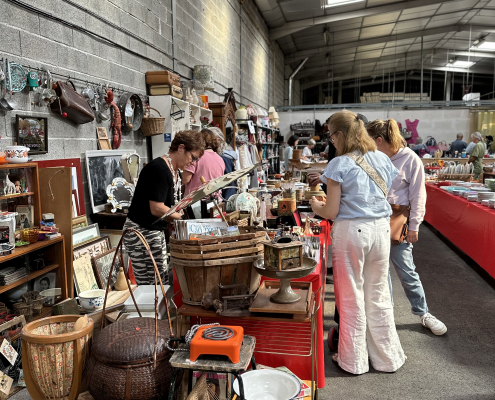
375 176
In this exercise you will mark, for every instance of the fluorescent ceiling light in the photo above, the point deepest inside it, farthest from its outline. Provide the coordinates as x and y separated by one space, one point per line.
483 45
460 64
337 3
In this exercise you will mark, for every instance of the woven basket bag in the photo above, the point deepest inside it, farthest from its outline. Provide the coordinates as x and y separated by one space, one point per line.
129 359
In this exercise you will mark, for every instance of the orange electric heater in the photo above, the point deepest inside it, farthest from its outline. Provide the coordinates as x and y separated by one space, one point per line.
217 340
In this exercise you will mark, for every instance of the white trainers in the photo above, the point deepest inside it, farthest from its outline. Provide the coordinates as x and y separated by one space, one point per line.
436 326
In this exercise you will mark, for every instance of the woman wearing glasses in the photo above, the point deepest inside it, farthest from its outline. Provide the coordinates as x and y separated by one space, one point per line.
357 202
158 189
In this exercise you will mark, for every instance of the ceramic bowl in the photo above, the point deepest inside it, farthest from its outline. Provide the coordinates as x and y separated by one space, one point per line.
51 295
92 299
268 384
16 154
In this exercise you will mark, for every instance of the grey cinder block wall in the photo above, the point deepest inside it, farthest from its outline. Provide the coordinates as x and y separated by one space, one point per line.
215 32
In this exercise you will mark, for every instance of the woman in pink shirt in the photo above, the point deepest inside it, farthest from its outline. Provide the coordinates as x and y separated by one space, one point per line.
210 166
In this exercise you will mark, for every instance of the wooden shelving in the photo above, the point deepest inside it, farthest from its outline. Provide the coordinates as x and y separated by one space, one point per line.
28 277
20 251
12 196
17 166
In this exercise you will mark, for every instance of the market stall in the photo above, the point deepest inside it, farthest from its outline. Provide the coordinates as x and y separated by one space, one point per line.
467 224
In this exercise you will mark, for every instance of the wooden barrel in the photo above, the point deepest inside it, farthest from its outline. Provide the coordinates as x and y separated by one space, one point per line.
54 355
202 265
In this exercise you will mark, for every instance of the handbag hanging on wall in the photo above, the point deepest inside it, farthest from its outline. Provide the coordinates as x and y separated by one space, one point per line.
74 105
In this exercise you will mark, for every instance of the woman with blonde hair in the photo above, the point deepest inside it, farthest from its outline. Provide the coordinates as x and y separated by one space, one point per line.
357 182
407 193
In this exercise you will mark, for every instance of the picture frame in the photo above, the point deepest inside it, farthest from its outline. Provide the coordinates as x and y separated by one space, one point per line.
44 282
103 141
79 222
92 248
102 264
75 165
32 132
24 217
85 235
84 276
102 166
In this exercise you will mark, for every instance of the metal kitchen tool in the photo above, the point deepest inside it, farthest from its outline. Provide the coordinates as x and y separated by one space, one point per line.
17 77
48 95
11 102
3 102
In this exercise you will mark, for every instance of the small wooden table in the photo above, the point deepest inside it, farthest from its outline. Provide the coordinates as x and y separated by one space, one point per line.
180 360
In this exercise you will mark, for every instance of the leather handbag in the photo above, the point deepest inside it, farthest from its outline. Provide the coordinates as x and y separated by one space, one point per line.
398 223
400 213
130 359
75 105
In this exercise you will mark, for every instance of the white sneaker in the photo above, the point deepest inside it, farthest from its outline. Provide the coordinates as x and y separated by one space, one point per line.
436 326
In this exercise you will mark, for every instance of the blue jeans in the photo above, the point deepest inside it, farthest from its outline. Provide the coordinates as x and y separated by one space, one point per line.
402 259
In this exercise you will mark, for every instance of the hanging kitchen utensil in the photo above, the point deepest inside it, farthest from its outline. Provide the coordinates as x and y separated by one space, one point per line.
17 78
11 101
33 80
101 105
2 74
3 102
116 120
48 95
89 93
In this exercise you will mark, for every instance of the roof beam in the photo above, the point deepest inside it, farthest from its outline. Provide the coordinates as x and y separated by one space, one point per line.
290 58
296 26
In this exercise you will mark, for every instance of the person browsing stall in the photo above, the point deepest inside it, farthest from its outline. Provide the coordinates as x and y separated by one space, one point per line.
458 145
307 153
477 154
158 189
360 247
408 189
291 145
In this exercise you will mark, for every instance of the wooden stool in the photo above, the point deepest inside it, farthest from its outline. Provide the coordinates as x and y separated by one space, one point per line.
180 360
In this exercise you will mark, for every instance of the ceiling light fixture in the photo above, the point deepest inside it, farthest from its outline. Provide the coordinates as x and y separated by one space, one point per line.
482 44
460 64
337 3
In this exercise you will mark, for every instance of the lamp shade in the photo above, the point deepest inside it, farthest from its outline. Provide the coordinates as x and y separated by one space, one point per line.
275 115
271 110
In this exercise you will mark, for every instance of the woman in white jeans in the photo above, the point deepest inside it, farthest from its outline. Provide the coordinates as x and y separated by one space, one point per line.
360 249
408 189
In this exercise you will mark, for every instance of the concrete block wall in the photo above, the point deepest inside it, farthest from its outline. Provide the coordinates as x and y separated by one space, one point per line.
216 32
441 124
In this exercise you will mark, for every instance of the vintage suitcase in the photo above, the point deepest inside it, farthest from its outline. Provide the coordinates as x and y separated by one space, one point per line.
162 78
66 307
161 90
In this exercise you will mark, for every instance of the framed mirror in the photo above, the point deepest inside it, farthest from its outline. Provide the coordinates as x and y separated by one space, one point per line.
32 132
120 194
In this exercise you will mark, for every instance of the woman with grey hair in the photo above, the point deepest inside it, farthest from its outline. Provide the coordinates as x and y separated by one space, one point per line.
307 153
229 157
477 154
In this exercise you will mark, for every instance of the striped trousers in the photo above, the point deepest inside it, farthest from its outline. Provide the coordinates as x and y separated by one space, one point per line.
141 261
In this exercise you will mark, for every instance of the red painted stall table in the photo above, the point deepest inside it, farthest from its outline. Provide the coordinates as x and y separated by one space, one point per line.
468 225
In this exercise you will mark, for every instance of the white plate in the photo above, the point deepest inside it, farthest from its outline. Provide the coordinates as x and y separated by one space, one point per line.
268 384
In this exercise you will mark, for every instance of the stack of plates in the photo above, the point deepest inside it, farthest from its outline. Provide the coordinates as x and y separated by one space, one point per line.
490 183
491 203
469 193
480 189
472 197
11 274
485 196
457 192
485 203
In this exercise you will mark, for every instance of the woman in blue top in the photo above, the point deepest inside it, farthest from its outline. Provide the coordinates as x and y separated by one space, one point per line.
360 249
291 145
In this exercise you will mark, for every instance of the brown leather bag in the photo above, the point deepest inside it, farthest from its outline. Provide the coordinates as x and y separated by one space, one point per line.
75 105
398 223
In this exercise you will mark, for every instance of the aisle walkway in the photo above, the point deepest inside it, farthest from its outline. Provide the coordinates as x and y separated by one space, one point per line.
457 366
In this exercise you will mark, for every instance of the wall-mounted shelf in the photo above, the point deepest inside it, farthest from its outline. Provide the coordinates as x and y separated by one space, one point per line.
28 277
12 196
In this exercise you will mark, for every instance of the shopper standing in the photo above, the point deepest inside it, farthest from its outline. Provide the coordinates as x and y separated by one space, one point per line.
360 247
457 145
408 189
158 189
291 145
477 154
307 153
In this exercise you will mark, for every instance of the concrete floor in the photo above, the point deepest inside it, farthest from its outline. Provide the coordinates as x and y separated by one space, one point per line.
459 365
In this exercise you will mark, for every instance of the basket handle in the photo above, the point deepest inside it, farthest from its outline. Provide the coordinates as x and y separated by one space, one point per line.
126 273
151 108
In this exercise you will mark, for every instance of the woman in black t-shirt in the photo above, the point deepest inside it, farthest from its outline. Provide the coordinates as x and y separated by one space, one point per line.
158 189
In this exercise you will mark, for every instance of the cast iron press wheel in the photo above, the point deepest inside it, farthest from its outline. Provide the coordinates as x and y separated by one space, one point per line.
333 339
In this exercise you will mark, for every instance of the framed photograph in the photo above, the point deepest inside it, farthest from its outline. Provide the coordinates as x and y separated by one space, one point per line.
80 222
102 167
75 165
102 264
84 235
93 248
32 132
84 277
44 282
24 217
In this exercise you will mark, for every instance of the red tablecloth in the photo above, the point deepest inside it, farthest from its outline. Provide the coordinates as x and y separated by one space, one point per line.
299 365
468 225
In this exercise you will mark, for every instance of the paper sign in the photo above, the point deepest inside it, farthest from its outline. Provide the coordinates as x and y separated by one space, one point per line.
167 137
5 383
8 351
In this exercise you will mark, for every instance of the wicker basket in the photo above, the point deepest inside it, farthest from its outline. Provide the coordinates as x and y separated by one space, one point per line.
30 235
455 177
35 300
24 309
152 126
3 308
201 265
58 376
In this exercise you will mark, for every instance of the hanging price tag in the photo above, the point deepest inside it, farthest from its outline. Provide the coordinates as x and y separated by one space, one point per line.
251 127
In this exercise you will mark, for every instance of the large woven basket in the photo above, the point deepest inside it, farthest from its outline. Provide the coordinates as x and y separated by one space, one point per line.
455 177
54 356
202 265
152 126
